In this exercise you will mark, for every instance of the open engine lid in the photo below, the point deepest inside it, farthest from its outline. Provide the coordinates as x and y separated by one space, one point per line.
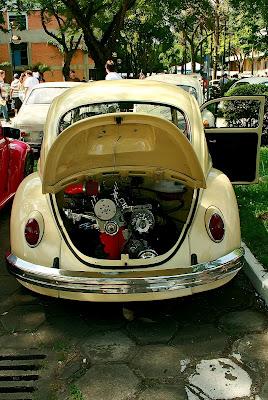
123 144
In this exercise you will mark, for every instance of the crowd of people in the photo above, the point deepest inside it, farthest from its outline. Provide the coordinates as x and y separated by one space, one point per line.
19 87
23 82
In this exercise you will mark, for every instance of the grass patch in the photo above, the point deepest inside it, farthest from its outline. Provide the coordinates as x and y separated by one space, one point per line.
76 393
253 207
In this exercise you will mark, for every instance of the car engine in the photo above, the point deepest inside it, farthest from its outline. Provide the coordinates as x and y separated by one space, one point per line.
109 218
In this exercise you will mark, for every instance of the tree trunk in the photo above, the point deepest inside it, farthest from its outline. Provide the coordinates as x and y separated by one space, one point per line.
216 39
192 50
66 65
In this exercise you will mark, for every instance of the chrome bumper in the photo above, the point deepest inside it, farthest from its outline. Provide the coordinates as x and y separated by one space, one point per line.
114 282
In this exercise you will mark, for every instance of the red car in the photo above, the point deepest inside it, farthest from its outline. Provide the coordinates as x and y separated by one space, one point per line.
16 162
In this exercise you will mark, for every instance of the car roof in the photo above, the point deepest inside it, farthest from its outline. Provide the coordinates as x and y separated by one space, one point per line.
139 90
175 79
255 79
67 84
125 90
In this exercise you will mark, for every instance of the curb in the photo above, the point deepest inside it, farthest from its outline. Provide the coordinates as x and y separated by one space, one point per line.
256 273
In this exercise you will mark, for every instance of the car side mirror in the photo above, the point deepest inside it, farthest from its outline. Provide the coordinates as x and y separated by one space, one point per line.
12 133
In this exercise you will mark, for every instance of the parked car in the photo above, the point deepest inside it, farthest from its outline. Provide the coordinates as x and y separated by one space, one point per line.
190 85
214 82
33 112
126 205
16 162
252 80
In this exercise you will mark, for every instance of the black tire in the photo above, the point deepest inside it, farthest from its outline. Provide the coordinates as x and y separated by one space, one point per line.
28 165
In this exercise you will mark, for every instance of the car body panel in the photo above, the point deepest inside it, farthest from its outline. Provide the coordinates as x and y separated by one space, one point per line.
192 264
252 80
140 142
242 165
125 90
13 154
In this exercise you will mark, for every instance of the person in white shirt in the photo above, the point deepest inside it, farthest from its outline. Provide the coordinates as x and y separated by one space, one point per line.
14 93
3 96
111 73
30 81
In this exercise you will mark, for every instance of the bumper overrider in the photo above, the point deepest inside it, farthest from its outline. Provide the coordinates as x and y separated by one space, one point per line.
115 283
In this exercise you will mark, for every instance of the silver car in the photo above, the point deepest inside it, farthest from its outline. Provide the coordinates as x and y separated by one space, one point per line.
33 112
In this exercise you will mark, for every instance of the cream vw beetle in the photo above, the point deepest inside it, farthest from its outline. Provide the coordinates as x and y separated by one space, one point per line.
127 203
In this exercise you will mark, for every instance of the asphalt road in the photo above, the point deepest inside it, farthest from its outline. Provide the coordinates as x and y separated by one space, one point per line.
207 346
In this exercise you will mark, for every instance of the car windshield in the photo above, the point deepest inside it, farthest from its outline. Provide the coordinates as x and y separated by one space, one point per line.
172 114
44 95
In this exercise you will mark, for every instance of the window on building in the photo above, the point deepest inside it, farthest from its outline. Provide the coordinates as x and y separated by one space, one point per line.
19 55
17 21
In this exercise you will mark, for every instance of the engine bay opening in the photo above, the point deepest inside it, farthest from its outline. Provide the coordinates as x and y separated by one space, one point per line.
114 215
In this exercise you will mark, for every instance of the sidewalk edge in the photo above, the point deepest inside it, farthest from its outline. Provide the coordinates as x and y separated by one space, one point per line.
256 273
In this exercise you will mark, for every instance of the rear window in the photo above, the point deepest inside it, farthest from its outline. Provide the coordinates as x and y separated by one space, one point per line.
45 95
172 114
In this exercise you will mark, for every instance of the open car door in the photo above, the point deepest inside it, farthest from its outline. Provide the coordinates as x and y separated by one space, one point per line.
234 138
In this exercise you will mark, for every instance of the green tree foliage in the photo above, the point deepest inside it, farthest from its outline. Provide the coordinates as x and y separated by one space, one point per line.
154 35
244 29
101 22
192 22
68 36
249 112
145 38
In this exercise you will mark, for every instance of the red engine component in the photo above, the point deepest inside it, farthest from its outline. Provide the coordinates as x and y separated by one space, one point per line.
113 244
75 188
91 188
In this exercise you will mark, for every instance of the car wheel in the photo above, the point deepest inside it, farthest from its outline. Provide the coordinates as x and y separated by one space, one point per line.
28 165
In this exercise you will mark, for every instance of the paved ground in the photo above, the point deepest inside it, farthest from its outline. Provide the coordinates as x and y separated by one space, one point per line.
208 346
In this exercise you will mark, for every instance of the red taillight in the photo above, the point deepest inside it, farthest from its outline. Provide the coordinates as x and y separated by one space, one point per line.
216 227
32 232
24 134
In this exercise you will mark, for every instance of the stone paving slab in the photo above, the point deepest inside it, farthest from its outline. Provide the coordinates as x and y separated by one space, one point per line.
253 348
161 362
164 392
152 330
22 318
108 382
200 341
240 322
19 341
108 346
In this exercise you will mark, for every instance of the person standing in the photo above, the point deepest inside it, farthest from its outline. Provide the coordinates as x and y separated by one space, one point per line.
111 71
224 79
21 86
36 73
141 75
3 96
14 93
73 77
29 82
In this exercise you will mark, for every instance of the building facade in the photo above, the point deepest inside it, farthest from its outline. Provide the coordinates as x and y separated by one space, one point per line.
30 45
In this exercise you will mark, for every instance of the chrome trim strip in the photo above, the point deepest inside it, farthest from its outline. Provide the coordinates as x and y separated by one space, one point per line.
83 282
